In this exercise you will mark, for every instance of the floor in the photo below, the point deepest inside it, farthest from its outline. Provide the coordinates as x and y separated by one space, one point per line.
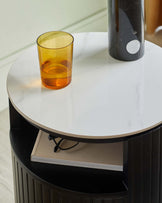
6 177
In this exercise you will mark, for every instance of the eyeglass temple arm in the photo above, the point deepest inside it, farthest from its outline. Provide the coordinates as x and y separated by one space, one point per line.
51 137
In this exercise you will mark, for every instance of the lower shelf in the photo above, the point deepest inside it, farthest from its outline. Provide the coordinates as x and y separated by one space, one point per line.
29 188
45 184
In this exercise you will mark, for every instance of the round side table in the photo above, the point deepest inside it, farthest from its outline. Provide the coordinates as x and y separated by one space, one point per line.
107 101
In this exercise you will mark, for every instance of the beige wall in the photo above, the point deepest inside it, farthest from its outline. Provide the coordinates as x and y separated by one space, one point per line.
23 20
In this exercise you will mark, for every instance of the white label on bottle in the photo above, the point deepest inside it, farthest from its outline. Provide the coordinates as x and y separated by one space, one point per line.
133 47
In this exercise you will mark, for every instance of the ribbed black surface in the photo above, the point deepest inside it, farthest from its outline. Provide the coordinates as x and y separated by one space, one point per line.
144 167
31 189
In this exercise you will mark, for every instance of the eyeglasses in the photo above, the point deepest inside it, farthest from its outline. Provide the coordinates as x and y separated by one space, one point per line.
60 143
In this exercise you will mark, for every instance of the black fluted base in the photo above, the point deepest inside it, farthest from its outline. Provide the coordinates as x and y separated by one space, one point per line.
144 167
29 188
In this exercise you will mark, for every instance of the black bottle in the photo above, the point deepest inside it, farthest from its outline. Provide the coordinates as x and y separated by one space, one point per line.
126 29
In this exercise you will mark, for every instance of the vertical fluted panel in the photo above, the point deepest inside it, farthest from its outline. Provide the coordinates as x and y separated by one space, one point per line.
30 189
144 167
14 178
46 196
155 165
21 183
26 187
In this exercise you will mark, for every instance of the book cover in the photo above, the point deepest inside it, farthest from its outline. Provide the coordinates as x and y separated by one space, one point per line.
107 156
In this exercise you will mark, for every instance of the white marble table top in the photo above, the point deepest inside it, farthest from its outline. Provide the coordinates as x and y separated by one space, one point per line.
106 99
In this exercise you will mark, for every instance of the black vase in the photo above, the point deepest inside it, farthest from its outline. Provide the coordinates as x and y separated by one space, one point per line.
126 29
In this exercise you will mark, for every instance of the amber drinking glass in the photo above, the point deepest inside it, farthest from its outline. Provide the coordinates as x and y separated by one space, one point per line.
55 51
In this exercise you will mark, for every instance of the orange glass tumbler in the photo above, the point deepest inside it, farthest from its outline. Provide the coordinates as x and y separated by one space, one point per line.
55 51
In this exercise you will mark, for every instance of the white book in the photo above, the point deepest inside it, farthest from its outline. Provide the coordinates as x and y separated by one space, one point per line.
107 156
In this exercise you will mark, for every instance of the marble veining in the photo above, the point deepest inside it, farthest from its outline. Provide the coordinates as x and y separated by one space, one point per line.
107 98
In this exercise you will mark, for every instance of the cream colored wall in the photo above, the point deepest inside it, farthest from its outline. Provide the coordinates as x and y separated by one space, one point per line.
23 20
